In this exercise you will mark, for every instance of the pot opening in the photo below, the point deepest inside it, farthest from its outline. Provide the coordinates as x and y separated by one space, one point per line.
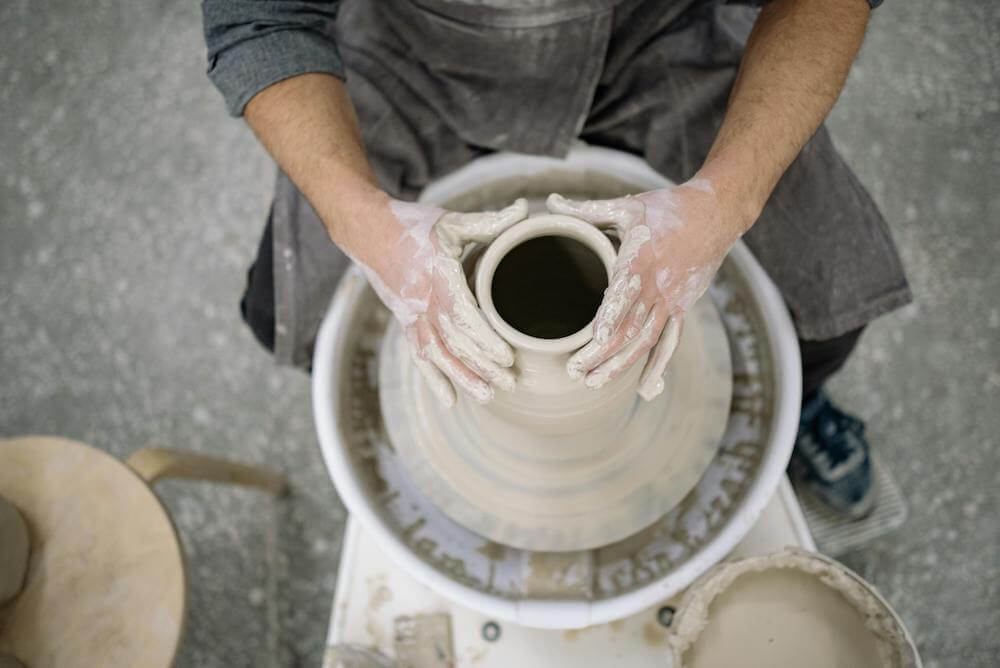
549 287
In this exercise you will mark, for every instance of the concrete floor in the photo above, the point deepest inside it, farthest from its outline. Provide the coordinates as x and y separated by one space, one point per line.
130 206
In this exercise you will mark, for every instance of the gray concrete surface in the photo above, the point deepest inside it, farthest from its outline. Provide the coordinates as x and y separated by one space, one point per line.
130 206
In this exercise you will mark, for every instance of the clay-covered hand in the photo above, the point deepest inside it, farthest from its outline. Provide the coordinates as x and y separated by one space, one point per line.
416 269
673 241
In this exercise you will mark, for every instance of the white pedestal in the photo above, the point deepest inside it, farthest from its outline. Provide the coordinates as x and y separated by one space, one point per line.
372 592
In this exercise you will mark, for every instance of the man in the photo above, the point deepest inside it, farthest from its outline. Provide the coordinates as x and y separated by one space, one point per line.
363 103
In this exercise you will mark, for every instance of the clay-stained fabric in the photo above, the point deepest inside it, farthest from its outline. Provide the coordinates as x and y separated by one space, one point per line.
438 83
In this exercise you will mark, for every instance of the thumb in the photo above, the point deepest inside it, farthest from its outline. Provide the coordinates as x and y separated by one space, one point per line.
457 229
622 212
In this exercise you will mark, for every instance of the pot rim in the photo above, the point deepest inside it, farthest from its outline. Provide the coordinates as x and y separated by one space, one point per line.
539 226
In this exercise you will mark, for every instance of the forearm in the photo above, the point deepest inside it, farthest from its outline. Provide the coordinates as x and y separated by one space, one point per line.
308 125
793 69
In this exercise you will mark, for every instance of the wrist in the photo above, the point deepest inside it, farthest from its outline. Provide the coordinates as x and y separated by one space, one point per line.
740 191
358 219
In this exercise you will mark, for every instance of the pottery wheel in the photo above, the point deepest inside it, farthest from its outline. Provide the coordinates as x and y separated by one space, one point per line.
572 494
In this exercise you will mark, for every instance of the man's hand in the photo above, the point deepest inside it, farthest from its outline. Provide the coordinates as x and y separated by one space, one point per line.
416 269
672 242
410 253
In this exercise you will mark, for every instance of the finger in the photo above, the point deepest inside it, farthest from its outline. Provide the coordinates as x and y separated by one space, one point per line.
458 229
622 211
628 329
635 319
630 353
651 380
465 349
462 376
466 316
439 385
619 298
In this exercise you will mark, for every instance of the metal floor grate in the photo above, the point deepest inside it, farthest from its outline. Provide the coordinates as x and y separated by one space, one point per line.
836 534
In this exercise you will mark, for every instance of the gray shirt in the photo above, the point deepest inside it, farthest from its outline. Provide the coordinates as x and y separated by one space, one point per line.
255 43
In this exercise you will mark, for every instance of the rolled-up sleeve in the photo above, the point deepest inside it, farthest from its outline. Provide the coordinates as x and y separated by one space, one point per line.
255 43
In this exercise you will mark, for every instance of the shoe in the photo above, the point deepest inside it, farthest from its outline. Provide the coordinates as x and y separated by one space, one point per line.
831 458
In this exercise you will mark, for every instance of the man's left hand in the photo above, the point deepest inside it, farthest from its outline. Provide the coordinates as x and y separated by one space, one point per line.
673 240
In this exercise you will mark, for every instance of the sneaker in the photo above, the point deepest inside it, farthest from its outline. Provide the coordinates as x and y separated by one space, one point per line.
831 458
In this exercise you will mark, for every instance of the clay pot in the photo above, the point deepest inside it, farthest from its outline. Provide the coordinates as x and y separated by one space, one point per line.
554 465
547 275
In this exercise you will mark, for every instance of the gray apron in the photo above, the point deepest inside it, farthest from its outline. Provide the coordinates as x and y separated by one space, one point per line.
437 83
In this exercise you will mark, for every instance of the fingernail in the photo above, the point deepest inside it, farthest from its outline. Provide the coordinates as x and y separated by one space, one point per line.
497 349
595 381
557 200
446 398
505 357
482 393
505 382
651 388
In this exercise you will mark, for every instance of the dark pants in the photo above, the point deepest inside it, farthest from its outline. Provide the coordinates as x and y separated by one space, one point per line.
257 305
820 359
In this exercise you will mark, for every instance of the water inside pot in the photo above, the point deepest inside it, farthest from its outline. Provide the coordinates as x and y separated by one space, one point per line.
549 287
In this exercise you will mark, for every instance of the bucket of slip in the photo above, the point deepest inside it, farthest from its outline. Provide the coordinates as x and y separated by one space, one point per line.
791 608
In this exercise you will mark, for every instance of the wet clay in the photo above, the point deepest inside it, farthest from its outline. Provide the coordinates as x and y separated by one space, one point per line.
549 287
783 618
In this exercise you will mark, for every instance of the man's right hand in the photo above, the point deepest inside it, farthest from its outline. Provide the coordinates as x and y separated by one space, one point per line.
414 262
410 253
